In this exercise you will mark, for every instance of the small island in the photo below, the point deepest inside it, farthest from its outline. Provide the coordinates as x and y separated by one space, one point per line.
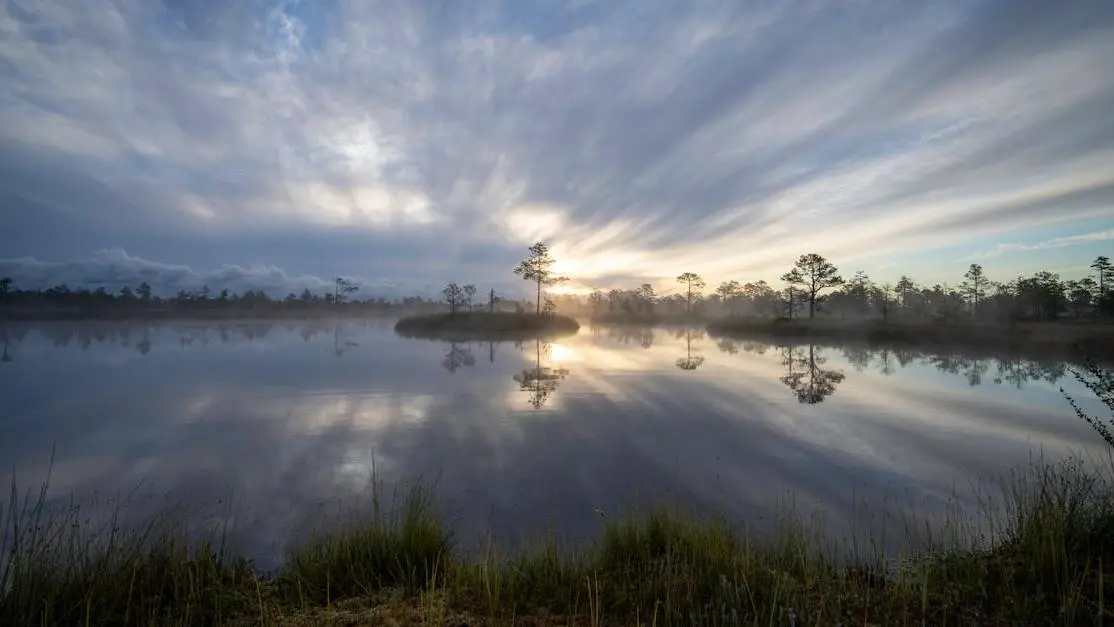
464 323
484 325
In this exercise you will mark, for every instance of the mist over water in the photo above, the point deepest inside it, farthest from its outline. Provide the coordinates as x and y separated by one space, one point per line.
269 426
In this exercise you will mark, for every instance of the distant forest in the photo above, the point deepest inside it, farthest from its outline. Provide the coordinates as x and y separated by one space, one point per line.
814 287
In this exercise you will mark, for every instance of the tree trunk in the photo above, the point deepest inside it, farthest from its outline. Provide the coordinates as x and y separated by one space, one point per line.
538 302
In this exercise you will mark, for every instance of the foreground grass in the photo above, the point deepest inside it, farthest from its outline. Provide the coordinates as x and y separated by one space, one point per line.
486 326
1050 564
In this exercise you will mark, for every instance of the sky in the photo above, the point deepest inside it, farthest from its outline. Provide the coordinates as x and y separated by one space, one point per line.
277 144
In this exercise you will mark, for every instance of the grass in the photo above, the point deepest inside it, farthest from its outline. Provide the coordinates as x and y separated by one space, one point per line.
466 326
1050 563
1061 336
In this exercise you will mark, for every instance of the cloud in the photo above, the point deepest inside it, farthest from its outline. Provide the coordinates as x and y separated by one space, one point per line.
718 137
1056 242
115 268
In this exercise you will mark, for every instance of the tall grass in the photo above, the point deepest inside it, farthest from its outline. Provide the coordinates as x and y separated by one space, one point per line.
77 566
1043 557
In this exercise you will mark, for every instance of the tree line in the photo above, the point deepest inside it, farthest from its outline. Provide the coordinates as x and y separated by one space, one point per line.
815 286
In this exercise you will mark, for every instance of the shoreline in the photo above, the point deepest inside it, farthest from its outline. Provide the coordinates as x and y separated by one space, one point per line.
1095 339
484 326
125 315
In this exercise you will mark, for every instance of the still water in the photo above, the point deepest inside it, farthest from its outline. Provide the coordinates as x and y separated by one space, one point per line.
266 425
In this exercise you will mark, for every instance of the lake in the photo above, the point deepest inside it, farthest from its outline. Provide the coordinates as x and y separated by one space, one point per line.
268 426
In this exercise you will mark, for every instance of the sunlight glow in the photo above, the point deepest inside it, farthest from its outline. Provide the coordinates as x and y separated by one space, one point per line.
563 353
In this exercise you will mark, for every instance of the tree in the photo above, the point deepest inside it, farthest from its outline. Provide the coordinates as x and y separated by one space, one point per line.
342 288
1043 292
126 293
1104 272
469 293
454 296
762 297
694 288
974 288
143 291
1081 294
857 293
5 287
595 301
789 298
646 297
306 297
814 274
537 268
729 291
491 300
905 288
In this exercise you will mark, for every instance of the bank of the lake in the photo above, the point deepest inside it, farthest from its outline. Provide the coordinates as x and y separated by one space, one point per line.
1051 563
485 326
646 319
143 314
1096 338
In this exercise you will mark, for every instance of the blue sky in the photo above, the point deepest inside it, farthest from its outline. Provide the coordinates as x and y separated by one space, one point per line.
270 144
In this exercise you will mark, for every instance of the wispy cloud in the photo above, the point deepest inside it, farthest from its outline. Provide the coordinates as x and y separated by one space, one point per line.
1056 242
420 142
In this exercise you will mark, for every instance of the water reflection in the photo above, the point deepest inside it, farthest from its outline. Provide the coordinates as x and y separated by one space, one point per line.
808 379
540 381
689 361
624 334
457 357
141 336
806 376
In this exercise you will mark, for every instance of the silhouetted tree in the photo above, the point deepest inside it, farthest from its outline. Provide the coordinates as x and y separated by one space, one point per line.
536 268
814 274
905 288
974 287
143 291
1104 274
454 297
729 291
762 297
5 288
469 293
341 289
595 301
1081 294
694 286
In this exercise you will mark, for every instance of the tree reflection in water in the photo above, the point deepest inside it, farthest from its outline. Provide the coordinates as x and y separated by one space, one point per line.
806 376
812 382
457 357
689 361
540 381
